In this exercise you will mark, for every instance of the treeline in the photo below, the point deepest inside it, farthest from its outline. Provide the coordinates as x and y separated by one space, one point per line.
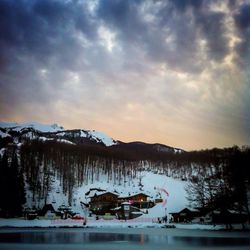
217 177
12 191
74 166
226 182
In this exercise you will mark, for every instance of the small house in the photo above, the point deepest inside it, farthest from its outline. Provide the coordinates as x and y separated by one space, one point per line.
127 211
139 200
30 214
185 215
103 203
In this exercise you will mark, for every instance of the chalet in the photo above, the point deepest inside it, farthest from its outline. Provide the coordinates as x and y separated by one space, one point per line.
158 200
127 211
30 214
185 215
139 200
103 203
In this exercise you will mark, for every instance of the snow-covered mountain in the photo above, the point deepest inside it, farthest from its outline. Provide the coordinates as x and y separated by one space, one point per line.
35 130
34 125
53 183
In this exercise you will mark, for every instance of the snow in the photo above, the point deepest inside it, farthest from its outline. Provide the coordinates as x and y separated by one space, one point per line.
65 141
40 223
42 138
92 193
98 137
175 202
3 135
110 223
105 139
152 183
177 150
125 203
35 125
83 134
116 208
95 135
135 212
130 193
2 151
177 195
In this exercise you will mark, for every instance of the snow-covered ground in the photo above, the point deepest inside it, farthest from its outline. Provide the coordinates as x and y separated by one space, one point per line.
151 182
92 223
92 134
100 137
3 135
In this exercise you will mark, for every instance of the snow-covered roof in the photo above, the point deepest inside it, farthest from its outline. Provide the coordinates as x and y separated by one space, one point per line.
186 208
129 194
136 212
126 203
98 193
93 193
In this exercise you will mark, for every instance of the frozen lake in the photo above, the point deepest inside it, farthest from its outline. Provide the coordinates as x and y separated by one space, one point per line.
125 238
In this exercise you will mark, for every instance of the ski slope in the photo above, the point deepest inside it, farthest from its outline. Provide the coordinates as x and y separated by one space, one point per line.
151 183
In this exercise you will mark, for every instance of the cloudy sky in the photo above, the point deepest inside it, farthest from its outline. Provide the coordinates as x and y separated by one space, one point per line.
168 71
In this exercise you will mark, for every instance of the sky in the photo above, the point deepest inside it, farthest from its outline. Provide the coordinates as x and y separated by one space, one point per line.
169 71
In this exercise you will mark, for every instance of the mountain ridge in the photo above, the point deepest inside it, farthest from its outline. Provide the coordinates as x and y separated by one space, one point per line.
35 130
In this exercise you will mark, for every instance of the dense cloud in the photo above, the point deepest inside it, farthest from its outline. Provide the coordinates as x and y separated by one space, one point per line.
242 19
113 64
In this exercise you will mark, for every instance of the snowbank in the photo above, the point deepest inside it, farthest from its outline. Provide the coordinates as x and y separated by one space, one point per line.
139 222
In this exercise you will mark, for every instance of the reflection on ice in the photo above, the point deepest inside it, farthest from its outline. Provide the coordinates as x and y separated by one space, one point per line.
84 237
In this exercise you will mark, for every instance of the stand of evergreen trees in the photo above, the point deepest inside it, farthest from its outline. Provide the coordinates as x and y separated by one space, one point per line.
12 193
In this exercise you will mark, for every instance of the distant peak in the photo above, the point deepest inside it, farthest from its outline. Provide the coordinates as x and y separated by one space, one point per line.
35 125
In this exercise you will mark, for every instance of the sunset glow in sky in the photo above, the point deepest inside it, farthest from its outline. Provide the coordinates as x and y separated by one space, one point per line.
168 71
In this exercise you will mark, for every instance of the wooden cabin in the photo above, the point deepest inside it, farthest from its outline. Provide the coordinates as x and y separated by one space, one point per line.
140 197
103 203
126 211
139 200
30 214
185 215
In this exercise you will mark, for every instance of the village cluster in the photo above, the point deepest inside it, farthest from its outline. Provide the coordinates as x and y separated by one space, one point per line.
107 205
102 204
